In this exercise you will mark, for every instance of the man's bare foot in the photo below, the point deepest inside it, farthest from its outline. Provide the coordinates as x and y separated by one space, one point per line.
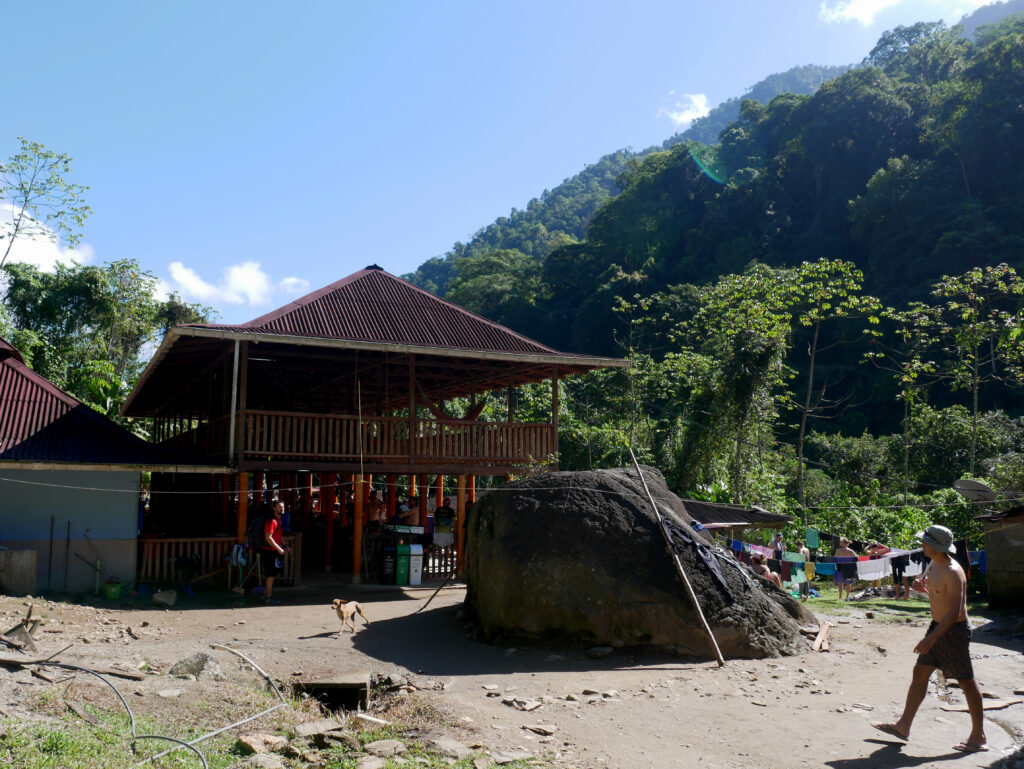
967 746
891 730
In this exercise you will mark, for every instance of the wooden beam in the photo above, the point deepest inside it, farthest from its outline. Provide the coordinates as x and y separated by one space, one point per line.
460 525
243 507
357 532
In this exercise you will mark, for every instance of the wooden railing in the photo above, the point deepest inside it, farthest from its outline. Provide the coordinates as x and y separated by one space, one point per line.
159 558
209 439
298 436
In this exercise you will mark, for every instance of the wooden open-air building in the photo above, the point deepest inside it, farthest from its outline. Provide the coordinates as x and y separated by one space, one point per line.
351 384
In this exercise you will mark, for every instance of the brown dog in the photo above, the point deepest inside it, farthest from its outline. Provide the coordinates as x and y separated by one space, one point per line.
346 611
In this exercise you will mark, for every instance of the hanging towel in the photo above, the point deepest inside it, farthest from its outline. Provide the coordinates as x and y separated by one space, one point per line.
809 569
812 537
792 557
825 569
787 571
872 570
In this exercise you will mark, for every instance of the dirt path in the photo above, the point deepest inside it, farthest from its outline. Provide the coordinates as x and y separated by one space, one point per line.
641 710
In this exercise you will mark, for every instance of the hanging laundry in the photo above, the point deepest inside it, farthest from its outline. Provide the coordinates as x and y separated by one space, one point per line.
792 557
786 572
825 569
809 569
871 570
811 536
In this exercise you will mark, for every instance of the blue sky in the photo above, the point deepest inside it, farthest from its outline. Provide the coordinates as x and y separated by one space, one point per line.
245 152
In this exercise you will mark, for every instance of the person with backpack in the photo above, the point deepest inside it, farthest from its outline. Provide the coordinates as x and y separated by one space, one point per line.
272 550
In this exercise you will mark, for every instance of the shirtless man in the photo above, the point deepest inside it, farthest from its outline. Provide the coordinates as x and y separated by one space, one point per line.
946 644
374 511
842 574
761 569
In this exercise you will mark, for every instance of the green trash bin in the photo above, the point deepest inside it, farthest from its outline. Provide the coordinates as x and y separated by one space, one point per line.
402 570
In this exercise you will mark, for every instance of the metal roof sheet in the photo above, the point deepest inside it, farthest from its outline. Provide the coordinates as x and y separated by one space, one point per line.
713 512
40 423
375 306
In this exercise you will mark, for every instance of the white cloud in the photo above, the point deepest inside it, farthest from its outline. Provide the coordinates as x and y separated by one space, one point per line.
242 283
41 249
294 285
685 108
865 11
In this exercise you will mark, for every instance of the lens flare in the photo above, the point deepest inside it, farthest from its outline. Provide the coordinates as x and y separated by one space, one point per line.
707 161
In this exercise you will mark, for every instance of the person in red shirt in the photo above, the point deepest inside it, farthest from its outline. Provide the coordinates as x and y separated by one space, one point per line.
273 550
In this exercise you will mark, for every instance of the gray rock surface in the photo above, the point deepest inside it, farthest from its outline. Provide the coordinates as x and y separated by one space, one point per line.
578 555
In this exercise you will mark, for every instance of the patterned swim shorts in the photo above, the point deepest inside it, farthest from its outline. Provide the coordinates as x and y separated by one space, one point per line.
951 653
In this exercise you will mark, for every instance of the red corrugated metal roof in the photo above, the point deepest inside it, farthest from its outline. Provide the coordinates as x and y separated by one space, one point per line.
374 306
39 422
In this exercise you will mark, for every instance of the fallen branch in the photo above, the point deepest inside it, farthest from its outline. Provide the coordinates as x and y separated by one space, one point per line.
121 673
83 714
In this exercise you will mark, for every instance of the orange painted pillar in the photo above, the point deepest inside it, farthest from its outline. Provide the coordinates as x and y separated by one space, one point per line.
412 485
391 495
460 525
368 487
328 496
357 531
424 493
439 491
471 491
243 507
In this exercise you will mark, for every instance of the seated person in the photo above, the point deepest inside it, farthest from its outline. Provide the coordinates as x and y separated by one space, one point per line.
761 569
409 512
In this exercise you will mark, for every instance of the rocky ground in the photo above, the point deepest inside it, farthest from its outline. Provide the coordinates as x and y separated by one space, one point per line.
552 702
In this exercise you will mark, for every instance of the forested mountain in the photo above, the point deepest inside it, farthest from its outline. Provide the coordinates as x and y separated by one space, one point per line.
823 310
561 215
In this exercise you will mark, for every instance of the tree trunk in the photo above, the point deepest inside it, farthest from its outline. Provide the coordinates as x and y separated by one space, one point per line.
803 419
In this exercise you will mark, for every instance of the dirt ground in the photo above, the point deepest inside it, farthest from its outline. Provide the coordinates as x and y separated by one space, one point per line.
625 710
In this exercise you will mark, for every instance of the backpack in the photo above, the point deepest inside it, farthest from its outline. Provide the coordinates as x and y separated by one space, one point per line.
254 536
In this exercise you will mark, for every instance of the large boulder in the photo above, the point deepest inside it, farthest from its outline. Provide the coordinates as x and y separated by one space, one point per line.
579 556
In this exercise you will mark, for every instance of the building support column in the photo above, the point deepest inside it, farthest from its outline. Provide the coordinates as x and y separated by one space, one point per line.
227 481
471 491
439 492
460 525
243 507
424 493
357 531
390 495
328 495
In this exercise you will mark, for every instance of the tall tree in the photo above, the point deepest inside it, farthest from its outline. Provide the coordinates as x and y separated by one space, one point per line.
828 290
43 204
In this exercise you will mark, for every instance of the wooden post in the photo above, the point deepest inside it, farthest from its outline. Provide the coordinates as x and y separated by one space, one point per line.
471 491
357 532
412 485
243 507
460 525
368 487
328 495
412 414
391 495
439 491
227 482
424 493
243 385
678 564
554 418
307 500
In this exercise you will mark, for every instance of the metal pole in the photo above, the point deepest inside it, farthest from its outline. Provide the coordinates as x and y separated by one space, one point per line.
678 563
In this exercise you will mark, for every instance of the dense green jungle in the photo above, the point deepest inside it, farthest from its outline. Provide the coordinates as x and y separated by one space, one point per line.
818 288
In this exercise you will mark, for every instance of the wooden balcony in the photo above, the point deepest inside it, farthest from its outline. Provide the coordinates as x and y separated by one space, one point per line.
392 442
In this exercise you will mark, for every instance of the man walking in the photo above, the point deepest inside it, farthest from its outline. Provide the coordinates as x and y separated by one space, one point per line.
946 644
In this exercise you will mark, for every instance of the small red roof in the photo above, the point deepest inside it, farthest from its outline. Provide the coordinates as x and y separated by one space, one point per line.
40 423
375 306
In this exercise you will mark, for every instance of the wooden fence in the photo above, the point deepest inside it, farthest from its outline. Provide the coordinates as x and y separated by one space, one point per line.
160 558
